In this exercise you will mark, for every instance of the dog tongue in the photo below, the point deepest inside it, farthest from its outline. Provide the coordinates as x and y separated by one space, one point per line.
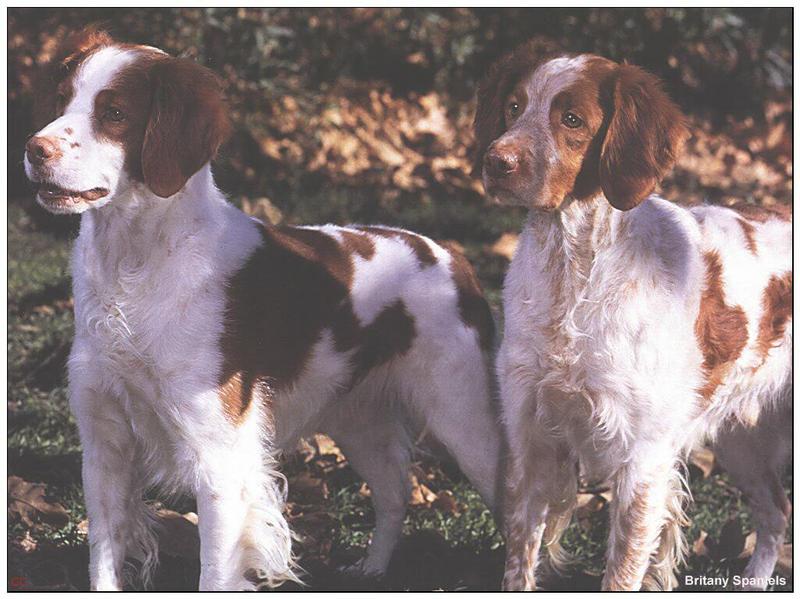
94 194
54 191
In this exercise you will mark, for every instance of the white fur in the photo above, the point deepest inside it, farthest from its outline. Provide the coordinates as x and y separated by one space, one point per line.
150 278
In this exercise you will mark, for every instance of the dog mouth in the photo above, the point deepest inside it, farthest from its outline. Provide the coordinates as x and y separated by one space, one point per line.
503 196
60 199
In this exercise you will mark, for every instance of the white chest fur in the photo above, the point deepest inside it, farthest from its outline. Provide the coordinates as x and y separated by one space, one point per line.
595 309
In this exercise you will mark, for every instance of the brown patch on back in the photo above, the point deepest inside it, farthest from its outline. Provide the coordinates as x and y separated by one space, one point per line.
762 214
777 304
293 287
423 251
749 232
359 244
389 335
721 330
472 305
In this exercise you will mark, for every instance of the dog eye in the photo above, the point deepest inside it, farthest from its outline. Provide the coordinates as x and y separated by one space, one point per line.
114 114
571 120
513 108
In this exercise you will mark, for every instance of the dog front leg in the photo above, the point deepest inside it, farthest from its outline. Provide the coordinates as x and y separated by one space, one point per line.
245 540
638 514
108 483
222 511
532 476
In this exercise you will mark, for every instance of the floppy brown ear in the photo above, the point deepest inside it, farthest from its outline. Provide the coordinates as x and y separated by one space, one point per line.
493 89
645 135
188 123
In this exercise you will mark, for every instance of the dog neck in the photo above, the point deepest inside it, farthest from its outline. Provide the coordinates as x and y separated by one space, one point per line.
569 237
138 227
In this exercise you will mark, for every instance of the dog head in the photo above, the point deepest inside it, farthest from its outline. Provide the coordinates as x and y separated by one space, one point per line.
548 127
120 116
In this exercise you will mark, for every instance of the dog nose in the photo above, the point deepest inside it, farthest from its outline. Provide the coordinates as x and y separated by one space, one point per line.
41 149
501 161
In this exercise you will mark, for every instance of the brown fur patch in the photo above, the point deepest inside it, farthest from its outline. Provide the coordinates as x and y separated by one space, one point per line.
777 304
54 82
292 288
749 232
389 335
721 330
359 244
175 119
762 214
472 305
577 174
644 138
423 251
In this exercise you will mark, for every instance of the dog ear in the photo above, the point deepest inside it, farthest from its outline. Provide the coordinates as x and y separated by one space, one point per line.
493 89
188 123
645 136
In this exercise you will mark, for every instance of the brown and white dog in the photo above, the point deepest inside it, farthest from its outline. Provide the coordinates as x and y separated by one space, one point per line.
634 328
206 342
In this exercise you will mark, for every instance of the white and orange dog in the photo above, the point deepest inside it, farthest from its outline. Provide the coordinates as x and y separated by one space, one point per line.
634 328
206 342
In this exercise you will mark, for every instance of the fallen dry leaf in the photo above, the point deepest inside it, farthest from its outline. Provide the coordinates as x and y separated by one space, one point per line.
262 209
446 502
326 446
784 564
26 543
704 460
699 546
417 470
28 502
749 545
420 494
589 503
307 451
505 246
